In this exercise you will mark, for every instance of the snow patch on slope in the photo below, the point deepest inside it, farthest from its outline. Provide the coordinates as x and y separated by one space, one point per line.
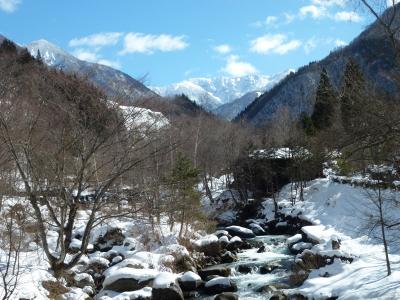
339 211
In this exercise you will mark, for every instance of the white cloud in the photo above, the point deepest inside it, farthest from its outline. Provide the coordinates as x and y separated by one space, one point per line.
289 18
340 43
289 46
325 3
316 12
271 20
267 43
86 55
283 19
94 57
237 68
273 43
109 63
9 6
97 40
350 16
148 43
223 49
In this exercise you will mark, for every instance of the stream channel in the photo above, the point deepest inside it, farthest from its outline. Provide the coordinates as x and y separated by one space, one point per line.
276 257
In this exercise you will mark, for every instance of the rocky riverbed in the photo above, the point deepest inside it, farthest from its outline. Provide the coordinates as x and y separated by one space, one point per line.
259 272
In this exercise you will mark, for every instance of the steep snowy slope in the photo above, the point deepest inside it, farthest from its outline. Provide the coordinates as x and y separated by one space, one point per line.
113 82
342 212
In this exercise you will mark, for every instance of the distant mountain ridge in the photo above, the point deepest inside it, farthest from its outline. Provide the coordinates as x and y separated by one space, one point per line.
371 50
212 93
55 57
230 110
114 83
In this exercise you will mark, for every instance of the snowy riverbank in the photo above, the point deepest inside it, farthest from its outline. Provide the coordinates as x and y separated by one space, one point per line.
341 212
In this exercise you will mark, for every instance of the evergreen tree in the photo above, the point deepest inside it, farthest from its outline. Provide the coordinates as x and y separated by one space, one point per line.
8 46
325 101
185 198
352 96
24 57
307 124
39 57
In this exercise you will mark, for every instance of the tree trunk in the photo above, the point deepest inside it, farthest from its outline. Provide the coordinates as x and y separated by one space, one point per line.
182 223
382 223
207 188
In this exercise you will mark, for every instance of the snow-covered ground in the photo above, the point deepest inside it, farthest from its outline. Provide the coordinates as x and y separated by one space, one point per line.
341 211
338 212
145 252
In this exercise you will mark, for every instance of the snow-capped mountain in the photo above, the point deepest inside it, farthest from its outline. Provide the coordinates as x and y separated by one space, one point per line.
193 91
52 55
212 93
230 88
113 82
231 109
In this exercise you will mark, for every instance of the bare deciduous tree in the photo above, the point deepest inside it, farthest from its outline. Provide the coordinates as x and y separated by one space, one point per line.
12 238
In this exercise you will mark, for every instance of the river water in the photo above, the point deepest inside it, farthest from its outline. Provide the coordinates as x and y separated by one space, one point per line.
248 284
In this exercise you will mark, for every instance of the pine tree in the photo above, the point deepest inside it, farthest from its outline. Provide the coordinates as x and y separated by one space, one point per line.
39 57
24 57
325 102
186 199
352 96
8 46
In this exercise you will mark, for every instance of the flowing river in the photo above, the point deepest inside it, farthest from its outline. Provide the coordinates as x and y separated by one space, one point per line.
276 257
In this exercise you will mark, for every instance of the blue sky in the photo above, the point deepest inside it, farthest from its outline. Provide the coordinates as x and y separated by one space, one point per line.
170 40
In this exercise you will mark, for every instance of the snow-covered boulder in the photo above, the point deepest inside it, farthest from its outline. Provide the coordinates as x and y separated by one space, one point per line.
241 232
190 281
300 247
142 294
219 285
116 259
223 240
257 229
97 265
234 244
209 245
165 286
296 244
315 233
294 239
128 279
82 280
220 233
